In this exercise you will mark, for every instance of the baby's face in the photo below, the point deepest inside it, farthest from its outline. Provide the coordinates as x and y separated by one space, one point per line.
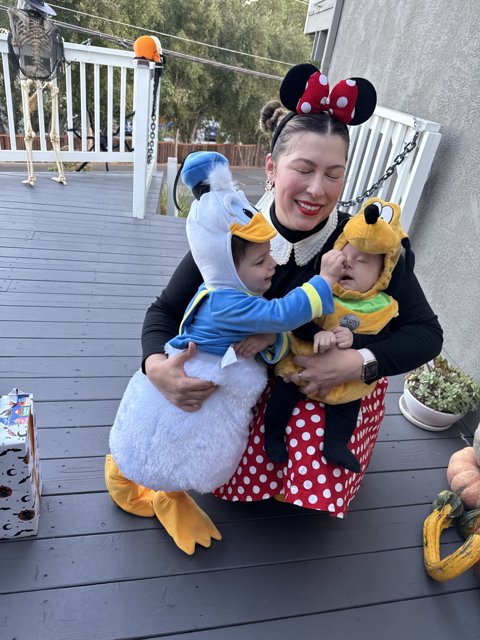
257 267
361 270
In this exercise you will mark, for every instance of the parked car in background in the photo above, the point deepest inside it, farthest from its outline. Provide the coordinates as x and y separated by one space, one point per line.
208 132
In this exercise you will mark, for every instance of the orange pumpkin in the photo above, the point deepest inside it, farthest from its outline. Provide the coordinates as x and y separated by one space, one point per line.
463 475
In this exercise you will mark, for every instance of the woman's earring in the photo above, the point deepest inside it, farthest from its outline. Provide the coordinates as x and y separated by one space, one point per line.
269 184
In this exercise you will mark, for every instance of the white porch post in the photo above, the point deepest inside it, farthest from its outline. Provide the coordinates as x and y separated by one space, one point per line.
171 174
142 122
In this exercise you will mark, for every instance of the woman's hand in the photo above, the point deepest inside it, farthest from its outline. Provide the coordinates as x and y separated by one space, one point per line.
324 371
249 347
168 375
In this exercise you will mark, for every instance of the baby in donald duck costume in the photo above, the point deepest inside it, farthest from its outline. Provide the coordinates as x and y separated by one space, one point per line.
157 447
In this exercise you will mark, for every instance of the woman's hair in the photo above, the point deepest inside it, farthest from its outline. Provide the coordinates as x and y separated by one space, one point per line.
273 114
239 249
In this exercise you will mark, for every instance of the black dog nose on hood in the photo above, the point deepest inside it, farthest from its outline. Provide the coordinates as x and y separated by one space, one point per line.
371 214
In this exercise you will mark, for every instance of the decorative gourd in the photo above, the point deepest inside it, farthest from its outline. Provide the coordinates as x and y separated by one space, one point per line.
447 507
468 523
476 444
463 475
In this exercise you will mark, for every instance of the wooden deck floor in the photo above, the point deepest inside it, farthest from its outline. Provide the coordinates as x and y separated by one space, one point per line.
76 276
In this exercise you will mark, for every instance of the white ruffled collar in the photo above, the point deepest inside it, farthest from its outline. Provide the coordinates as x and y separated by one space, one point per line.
305 249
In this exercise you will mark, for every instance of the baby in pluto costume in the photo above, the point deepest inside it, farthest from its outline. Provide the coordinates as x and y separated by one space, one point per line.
159 451
376 229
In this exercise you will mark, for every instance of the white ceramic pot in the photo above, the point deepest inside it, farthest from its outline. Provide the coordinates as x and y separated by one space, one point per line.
426 416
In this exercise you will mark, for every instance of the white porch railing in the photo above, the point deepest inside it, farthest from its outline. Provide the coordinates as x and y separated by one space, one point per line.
117 84
96 81
374 147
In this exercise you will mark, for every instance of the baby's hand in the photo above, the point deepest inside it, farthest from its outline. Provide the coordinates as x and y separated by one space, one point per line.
343 337
323 341
249 347
332 265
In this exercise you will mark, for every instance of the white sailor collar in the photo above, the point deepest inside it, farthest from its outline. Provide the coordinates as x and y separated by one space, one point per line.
305 249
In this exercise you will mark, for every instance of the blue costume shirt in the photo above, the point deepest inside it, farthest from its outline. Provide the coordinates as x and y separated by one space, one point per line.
217 318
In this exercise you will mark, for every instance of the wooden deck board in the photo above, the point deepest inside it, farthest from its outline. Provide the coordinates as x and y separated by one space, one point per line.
85 301
72 561
413 619
92 441
206 599
86 473
76 276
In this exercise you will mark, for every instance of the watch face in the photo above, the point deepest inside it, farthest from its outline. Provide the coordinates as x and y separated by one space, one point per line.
370 371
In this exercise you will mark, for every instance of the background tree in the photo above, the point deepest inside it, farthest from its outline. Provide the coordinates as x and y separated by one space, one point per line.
192 92
270 28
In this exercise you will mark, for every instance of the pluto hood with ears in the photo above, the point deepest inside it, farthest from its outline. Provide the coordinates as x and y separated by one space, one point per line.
375 229
220 212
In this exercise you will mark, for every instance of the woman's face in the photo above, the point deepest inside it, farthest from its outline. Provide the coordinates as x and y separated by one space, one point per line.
308 179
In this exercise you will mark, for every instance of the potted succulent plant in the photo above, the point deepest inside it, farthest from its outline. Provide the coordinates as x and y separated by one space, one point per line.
438 394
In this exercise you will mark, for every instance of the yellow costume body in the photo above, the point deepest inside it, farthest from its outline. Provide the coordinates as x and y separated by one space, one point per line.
371 320
365 312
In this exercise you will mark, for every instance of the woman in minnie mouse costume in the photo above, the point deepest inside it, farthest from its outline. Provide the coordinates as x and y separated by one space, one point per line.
306 165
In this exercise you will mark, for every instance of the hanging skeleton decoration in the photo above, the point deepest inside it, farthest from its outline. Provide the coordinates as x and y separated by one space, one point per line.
36 53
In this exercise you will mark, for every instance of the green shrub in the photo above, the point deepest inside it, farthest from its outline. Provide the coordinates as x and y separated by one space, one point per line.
184 198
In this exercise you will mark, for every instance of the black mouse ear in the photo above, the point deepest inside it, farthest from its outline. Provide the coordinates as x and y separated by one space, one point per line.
294 83
366 101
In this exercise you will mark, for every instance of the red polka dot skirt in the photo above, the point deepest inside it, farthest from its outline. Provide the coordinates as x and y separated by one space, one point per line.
307 479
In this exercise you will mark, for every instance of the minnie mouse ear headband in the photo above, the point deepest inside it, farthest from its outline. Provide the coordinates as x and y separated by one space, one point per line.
305 90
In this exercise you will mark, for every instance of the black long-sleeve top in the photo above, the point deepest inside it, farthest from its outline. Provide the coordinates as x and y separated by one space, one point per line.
415 335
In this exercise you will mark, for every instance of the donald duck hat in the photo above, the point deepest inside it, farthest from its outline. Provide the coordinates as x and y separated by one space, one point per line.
220 212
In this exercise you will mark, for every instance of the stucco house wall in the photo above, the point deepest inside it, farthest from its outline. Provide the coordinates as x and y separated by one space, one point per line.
424 59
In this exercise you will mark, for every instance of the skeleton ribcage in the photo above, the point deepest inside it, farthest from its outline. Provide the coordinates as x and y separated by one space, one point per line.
35 43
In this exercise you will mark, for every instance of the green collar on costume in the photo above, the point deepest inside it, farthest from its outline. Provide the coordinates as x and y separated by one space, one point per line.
377 303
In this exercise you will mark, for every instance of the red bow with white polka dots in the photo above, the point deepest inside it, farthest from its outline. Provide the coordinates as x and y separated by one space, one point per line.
340 102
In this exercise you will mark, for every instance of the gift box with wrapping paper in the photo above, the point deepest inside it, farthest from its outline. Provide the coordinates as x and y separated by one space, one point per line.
20 480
